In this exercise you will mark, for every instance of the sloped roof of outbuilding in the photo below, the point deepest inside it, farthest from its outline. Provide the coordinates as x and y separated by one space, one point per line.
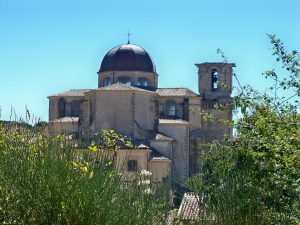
173 122
71 93
175 92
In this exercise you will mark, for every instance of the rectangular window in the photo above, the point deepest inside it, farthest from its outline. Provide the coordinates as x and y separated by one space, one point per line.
170 108
132 165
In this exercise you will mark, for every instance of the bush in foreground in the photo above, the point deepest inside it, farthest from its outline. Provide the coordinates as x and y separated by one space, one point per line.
46 181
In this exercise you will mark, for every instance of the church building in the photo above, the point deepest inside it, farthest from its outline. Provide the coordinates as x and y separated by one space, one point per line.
167 123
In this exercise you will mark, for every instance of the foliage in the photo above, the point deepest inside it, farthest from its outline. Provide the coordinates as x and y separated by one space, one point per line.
41 124
46 181
255 177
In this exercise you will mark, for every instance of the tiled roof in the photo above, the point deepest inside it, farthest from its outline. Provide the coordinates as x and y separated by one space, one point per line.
122 87
71 93
179 92
173 121
189 207
66 119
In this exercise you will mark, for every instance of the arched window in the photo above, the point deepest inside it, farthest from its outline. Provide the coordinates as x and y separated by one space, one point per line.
142 81
170 109
214 79
106 81
125 80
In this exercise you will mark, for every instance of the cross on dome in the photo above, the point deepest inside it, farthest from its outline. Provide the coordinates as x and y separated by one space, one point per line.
128 35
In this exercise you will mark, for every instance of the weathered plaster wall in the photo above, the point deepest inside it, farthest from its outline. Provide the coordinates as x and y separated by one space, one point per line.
145 117
163 147
195 116
180 156
128 112
124 155
159 169
53 109
68 128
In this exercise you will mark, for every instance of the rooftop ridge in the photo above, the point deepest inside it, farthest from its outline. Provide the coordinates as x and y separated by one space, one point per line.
122 87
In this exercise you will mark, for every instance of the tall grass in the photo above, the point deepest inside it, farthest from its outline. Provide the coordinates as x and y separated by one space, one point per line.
46 181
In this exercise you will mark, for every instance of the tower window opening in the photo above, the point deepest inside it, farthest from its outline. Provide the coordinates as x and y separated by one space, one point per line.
214 80
106 81
125 80
170 108
142 81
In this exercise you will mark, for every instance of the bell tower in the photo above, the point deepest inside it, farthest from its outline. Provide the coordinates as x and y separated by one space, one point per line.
215 80
215 86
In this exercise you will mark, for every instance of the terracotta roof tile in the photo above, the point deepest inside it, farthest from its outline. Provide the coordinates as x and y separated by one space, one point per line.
175 92
71 93
189 207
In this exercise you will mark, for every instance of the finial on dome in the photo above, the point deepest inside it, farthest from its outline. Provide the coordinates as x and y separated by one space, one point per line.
128 34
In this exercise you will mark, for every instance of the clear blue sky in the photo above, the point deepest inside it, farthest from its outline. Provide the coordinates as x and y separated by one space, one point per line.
48 46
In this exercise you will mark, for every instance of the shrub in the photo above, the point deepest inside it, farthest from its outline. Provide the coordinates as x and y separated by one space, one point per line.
43 180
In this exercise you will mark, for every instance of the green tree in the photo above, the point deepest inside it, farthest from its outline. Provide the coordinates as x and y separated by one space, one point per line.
255 177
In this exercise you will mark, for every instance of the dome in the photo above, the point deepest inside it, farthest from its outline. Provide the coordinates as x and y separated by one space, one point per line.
127 57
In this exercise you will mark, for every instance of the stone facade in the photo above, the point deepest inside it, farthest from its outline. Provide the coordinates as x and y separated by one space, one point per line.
167 120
